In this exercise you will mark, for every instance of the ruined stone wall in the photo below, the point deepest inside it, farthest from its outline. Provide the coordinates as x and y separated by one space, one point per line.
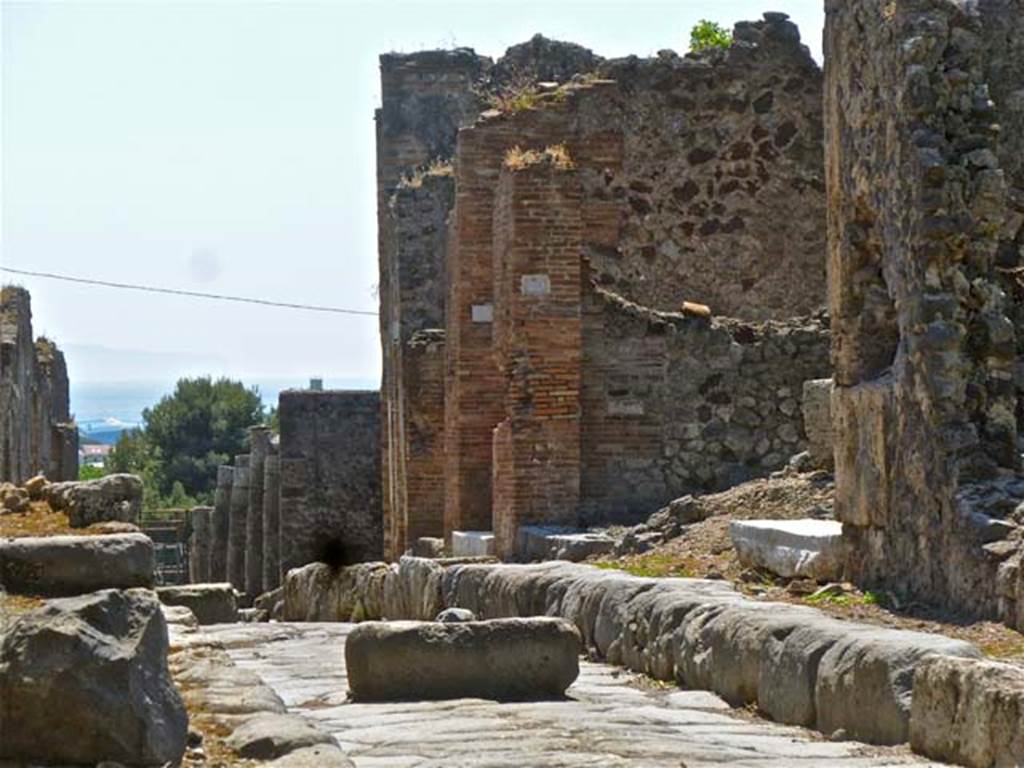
425 97
37 434
417 215
721 176
701 179
925 351
330 453
675 404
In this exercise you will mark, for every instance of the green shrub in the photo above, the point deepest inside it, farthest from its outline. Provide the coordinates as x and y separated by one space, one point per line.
89 472
708 34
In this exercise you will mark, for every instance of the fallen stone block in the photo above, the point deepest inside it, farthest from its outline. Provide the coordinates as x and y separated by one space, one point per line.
865 680
428 546
114 497
968 712
269 735
36 487
85 680
179 617
472 543
502 659
74 565
807 548
536 542
211 603
455 615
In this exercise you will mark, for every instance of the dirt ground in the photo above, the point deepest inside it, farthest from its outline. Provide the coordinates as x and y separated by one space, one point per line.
41 520
704 550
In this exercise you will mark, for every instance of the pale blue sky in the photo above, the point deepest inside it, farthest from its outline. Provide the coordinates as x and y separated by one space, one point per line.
228 147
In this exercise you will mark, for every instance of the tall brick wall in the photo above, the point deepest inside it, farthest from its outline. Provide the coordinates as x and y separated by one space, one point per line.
922 184
330 479
538 241
37 434
474 388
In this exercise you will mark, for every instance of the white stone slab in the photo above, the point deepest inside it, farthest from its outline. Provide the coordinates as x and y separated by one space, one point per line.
808 548
543 542
472 543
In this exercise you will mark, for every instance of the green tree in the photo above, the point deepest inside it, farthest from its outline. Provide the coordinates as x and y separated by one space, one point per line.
185 437
90 472
708 34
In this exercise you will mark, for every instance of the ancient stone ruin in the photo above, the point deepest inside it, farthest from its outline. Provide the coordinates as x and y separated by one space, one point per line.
926 237
310 495
617 288
610 288
37 433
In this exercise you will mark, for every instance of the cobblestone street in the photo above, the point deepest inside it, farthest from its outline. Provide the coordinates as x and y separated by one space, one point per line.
609 719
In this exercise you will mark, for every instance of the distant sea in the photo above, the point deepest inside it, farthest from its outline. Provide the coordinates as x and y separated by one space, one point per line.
104 409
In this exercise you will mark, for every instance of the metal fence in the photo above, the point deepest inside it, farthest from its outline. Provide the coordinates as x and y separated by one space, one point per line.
170 530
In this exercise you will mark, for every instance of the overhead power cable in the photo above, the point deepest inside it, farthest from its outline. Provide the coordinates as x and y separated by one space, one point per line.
193 294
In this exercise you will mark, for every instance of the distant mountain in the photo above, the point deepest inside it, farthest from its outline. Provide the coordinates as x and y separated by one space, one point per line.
105 431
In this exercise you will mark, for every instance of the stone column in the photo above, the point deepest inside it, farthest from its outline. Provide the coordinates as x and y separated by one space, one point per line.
199 545
259 447
219 524
237 523
271 521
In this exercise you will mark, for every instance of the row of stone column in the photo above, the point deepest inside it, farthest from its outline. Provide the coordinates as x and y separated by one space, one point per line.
238 539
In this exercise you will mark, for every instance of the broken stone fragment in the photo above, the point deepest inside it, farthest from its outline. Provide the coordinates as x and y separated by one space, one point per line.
792 548
502 659
455 615
35 487
114 497
211 603
84 680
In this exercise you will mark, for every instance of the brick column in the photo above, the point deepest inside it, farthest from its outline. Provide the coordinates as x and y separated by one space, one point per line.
219 524
538 240
238 522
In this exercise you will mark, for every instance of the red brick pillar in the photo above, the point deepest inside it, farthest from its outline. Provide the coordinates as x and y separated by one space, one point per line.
538 240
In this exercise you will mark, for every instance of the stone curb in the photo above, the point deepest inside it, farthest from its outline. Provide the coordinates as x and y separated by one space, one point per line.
796 664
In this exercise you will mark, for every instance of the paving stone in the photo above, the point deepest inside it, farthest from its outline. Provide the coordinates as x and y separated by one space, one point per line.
608 718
